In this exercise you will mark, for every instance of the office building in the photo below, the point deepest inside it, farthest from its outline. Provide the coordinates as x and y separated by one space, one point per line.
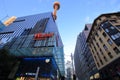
36 41
69 75
85 68
104 43
69 70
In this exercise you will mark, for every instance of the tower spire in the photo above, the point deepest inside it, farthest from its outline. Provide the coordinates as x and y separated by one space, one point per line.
56 7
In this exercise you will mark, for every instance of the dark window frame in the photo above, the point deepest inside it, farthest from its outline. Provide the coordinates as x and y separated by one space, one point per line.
100 40
110 55
116 50
105 47
105 58
110 41
104 34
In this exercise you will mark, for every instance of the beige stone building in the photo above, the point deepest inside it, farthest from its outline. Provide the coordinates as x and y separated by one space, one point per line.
104 43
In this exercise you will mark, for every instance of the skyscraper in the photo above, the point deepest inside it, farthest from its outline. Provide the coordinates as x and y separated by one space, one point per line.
104 43
35 39
84 64
69 72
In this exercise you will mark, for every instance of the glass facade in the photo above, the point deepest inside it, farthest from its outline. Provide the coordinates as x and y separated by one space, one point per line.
21 40
2 26
112 31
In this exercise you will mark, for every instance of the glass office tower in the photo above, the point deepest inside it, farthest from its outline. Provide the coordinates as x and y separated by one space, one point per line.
35 39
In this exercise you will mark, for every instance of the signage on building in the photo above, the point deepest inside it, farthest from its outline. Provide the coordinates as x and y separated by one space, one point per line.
10 20
42 36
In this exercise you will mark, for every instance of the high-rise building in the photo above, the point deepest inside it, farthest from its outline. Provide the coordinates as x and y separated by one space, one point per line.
104 43
36 41
69 71
84 64
2 26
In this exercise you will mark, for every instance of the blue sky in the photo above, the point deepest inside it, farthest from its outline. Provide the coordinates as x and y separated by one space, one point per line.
71 18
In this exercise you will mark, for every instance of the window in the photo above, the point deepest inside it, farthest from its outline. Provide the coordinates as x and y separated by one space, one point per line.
89 44
113 21
110 55
115 36
116 50
100 29
102 25
95 57
26 32
96 34
100 40
95 48
101 61
104 34
97 54
118 27
92 51
112 27
106 30
97 44
94 38
101 52
98 64
40 26
118 34
105 58
109 41
86 28
4 40
105 47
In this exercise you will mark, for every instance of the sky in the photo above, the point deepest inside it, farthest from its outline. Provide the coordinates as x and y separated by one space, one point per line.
71 17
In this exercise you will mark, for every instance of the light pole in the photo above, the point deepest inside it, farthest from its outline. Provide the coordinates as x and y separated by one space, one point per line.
37 72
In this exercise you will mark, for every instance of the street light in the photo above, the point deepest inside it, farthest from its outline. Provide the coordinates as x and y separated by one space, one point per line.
47 60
